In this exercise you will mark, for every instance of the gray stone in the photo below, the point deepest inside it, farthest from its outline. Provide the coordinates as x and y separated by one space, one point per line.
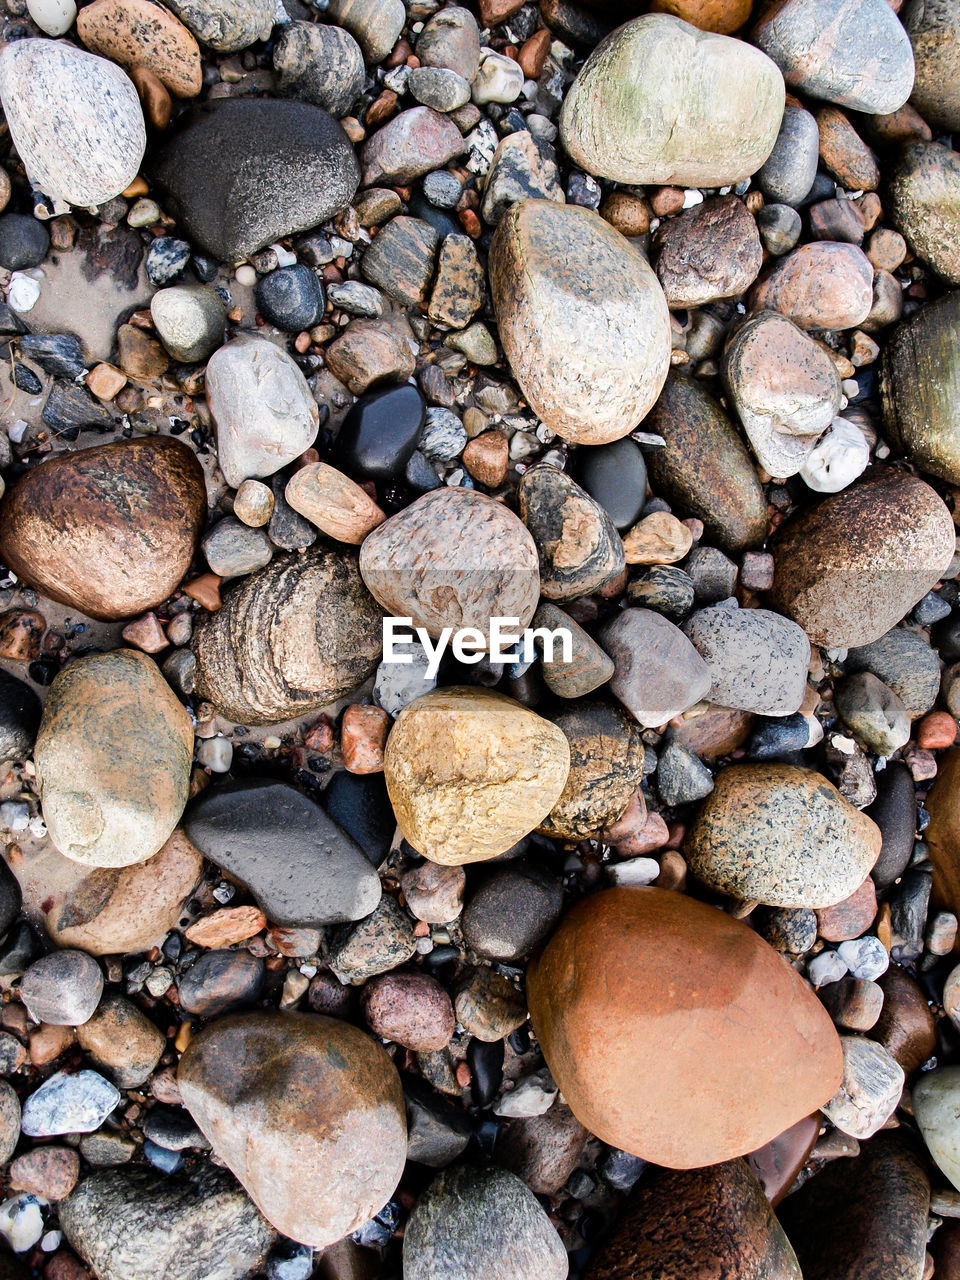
905 662
374 24
779 227
381 941
713 574
357 299
9 1121
523 167
936 1106
451 39
189 320
791 167
444 436
909 905
69 1104
870 1091
873 712
758 660
511 913
226 25
923 203
232 548
401 259
319 64
62 988
681 777
439 88
658 674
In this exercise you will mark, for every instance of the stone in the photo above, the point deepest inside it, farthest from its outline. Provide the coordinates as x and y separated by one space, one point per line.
783 416
9 1121
722 16
380 433
442 785
870 1091
62 988
851 917
241 173
360 805
589 667
934 31
330 500
84 765
850 53
227 926
942 836
615 476
935 1109
727 97
488 1006
849 568
81 156
434 893
410 145
113 910
411 1009
20 714
487 458
380 942
189 320
301 868
122 1042
590 349
53 17
654 1089
221 981
512 912
358 299
788 172
543 1150
777 1165
678 1224
845 154
401 260
137 1223
451 39
138 33
264 411
110 530
499 79
853 1003
711 251
905 662
758 660
822 850
906 1027
606 768
703 468
368 353
822 285
319 64
167 259
873 712
139 355
523 167
363 738
658 674
23 241
290 298
840 456
470 1221
436 87
21 633
923 203
578 547
780 228
459 286
408 567
50 1172
68 1103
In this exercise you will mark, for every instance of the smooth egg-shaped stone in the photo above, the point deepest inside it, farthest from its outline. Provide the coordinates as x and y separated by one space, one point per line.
306 1111
380 433
943 833
109 530
781 835
112 785
675 1032
582 319
75 120
470 772
936 1107
454 558
922 201
139 33
660 102
849 568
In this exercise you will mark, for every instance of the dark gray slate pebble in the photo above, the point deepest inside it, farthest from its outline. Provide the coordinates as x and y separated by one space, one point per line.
909 904
221 980
19 949
485 1060
59 354
437 1130
173 1130
319 64
788 173
24 241
70 406
290 298
895 813
903 660
615 475
778 736
779 228
20 713
512 912
420 474
287 528
63 988
26 380
360 805
681 777
232 548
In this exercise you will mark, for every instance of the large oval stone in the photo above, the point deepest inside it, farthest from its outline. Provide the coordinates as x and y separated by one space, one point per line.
454 558
781 835
470 772
660 102
75 120
109 530
822 285
674 1031
289 639
923 202
849 568
112 787
306 1111
582 318
936 1106
139 33
921 388
934 30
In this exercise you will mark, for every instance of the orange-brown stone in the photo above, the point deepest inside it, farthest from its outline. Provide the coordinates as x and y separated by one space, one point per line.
675 1032
943 833
722 16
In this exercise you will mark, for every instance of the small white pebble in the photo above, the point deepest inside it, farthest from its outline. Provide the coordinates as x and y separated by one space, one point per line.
216 754
691 198
846 746
285 257
245 274
272 742
634 871
51 1241
23 293
14 815
825 968
837 459
424 946
865 957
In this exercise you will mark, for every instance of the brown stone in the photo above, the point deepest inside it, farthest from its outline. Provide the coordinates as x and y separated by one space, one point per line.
205 589
851 917
906 1027
589 666
722 16
715 733
777 1164
659 538
711 251
923 202
307 1112
844 153
434 894
333 502
50 1172
227 926
533 54
854 1004
905 125
105 382
470 772
369 353
363 738
47 1043
122 1042
487 457
849 568
493 12
606 768
629 214
154 98
138 33
400 261
578 546
140 355
543 1150
489 1006
822 285
21 631
674 1032
692 1223
146 634
458 288
109 530
411 1009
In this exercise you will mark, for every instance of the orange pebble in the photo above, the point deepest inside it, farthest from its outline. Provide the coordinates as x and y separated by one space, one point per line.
936 730
464 1075
206 591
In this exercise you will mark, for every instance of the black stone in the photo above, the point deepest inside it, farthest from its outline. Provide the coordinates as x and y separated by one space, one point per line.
512 912
615 475
287 528
360 805
20 713
774 737
300 866
26 380
895 813
10 322
380 433
619 1169
221 980
290 298
11 898
239 173
71 406
664 588
167 259
909 904
23 241
485 1060
437 1130
57 353
19 949
420 207
204 268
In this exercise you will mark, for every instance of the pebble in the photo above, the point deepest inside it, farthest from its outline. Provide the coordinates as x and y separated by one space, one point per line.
50 1172
788 172
935 1107
380 433
314 873
690 108
444 435
380 942
122 1042
488 1006
873 712
933 34
451 39
615 476
135 33
367 353
84 765
458 288
866 958
499 79
221 981
589 667
233 549
408 146
711 251
757 660
658 674
606 768
523 167
851 917
20 713
253 503
434 893
291 298
922 192
905 662
319 64
167 259
511 913
575 385
411 1009
53 17
870 1091
189 320
822 285
77 1103
837 459
578 547
665 1116
438 88
62 988
356 298
331 501
24 242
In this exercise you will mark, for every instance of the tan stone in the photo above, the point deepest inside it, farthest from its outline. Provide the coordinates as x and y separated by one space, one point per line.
470 772
122 1041
254 503
371 352
227 926
140 355
722 16
21 632
333 502
487 458
844 152
137 32
660 538
146 634
105 382
674 1031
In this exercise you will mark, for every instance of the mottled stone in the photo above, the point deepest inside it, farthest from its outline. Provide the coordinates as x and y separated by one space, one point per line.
923 202
606 768
523 167
226 25
578 546
722 16
411 1009
758 660
589 666
661 102
63 988
658 674
822 285
902 659
410 145
681 1079
401 260
379 942
711 251
459 287
109 530
451 39
470 772
330 500
934 30
137 33
319 64
847 157
543 1150
122 1042
590 347
374 24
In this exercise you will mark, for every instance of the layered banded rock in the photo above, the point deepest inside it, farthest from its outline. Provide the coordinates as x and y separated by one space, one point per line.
85 761
226 25
109 530
674 1031
606 769
923 202
781 835
660 102
470 772
306 1111
582 319
578 546
289 639
319 64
